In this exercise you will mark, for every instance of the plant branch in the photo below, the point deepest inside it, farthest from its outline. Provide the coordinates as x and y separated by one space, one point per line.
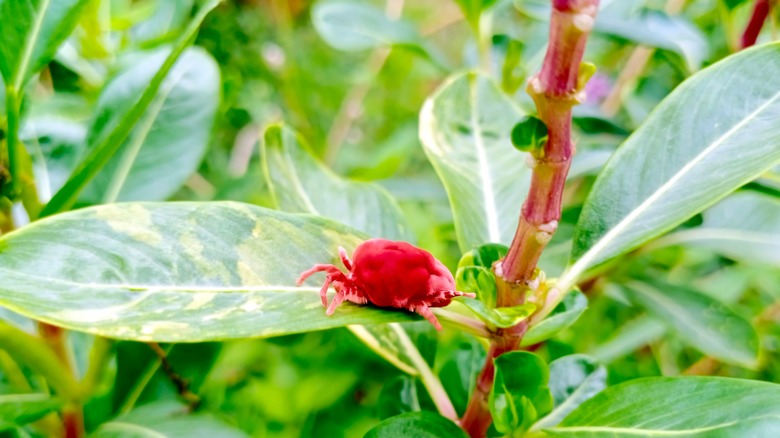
141 383
182 385
99 355
72 413
555 90
761 10
34 353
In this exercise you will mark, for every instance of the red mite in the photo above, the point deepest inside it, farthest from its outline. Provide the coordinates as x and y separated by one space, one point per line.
389 274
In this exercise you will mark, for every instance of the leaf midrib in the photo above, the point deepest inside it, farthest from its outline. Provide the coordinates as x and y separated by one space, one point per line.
140 288
494 234
30 44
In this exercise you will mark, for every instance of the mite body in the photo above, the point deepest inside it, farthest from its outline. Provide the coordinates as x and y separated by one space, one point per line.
386 273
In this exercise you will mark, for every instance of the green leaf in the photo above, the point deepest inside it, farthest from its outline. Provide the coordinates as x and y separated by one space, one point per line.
20 409
573 380
684 158
459 373
632 335
416 425
110 143
398 396
392 343
472 10
166 419
731 4
167 145
352 26
695 407
167 17
529 134
484 255
520 394
656 29
465 129
744 227
53 132
564 315
500 317
32 32
474 274
702 322
301 184
178 272
478 280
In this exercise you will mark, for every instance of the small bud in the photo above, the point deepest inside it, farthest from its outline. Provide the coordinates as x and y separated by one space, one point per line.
587 70
549 227
543 237
583 22
529 134
530 161
534 86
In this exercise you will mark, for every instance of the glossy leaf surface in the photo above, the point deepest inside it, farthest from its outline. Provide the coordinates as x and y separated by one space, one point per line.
102 152
168 143
20 409
656 29
178 272
744 227
684 158
398 396
573 380
32 32
520 394
421 424
699 320
564 315
301 184
678 406
465 128
355 26
166 420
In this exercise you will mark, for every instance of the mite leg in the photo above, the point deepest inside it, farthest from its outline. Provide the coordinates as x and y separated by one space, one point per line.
337 300
330 269
345 258
337 279
426 313
454 293
324 290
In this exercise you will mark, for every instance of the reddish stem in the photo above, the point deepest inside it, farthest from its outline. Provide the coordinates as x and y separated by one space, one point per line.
73 421
760 12
72 413
555 90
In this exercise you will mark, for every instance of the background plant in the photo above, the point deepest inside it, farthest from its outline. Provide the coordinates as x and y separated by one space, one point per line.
668 227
